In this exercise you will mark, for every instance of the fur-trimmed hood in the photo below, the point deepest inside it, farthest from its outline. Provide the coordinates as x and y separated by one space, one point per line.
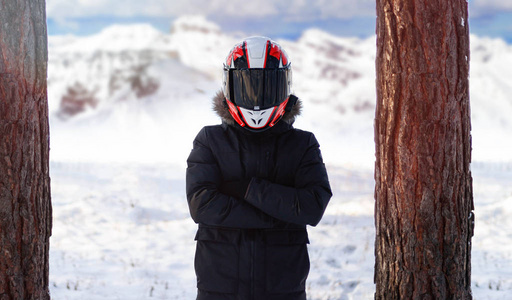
222 110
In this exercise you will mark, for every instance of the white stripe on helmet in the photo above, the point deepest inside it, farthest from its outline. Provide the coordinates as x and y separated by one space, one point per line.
256 51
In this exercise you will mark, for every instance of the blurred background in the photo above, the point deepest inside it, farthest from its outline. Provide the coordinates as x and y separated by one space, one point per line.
137 71
130 84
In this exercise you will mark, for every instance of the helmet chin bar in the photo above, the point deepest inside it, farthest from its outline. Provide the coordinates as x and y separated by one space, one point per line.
257 120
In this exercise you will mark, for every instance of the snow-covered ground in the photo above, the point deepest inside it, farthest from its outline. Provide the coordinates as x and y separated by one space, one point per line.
123 231
137 97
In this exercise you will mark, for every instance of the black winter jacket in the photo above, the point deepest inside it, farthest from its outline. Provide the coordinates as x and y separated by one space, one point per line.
252 246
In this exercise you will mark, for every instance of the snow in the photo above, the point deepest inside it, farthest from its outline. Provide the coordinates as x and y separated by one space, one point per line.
120 232
121 226
123 231
492 247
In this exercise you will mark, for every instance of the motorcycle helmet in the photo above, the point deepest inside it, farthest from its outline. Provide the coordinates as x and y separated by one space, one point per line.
257 82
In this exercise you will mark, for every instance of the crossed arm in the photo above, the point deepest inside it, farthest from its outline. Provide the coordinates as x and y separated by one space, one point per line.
264 202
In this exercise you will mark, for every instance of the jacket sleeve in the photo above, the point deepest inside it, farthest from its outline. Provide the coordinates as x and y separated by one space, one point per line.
302 204
206 203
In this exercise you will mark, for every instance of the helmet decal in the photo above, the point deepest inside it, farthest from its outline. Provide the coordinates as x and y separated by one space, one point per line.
234 113
238 57
279 113
275 56
266 54
278 53
284 58
235 54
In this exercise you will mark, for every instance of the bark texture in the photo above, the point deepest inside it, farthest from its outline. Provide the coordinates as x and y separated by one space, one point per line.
25 205
423 192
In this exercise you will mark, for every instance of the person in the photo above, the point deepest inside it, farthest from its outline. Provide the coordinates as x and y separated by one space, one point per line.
254 182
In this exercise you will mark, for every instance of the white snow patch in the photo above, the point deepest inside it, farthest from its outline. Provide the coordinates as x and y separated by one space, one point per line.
123 231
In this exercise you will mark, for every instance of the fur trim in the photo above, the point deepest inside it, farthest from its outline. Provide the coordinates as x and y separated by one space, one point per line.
223 112
221 109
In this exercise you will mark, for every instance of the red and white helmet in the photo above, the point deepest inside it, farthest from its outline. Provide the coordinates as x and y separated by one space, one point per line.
257 83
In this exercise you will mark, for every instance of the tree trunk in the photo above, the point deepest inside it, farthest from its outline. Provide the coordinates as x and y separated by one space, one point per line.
423 192
25 207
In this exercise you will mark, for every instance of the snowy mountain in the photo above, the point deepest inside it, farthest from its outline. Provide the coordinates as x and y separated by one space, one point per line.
135 80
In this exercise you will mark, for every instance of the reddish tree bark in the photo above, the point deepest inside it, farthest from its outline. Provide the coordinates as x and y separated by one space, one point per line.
424 202
25 207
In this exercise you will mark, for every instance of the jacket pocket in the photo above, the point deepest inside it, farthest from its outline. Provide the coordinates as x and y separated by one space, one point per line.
216 259
287 261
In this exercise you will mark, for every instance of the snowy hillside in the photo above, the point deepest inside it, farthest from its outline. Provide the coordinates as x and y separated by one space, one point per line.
110 86
491 101
113 84
125 105
123 231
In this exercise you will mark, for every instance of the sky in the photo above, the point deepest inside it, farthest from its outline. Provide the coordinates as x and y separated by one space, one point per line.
275 18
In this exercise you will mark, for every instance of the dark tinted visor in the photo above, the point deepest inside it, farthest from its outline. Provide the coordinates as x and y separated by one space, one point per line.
258 87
